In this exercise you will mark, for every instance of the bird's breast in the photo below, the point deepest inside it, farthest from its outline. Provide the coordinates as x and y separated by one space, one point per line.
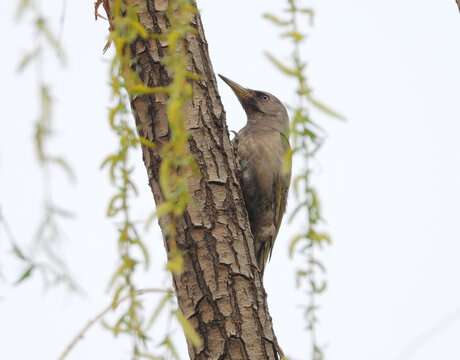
260 154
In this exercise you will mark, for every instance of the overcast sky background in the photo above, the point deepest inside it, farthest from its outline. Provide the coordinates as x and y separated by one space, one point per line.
388 178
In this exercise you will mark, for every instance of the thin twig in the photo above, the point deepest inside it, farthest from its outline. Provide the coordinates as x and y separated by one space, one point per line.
6 227
62 20
99 316
431 333
9 234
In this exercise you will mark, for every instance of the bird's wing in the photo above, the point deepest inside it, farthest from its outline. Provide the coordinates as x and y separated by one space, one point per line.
280 190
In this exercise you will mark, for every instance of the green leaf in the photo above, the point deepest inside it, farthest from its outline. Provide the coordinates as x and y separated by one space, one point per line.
297 180
128 264
113 161
294 242
176 262
283 68
165 175
120 108
59 211
189 331
319 289
22 6
168 343
132 186
300 206
26 274
146 142
116 295
317 264
296 36
140 29
164 208
139 89
300 275
318 237
65 166
53 41
144 250
111 209
274 19
310 12
28 58
319 105
17 251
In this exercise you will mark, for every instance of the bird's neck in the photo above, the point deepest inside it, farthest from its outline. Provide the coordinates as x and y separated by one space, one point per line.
267 122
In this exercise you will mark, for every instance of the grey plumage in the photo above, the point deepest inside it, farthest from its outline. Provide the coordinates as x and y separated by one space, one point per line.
260 148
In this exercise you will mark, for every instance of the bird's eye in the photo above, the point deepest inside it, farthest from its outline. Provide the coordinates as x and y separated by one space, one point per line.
265 97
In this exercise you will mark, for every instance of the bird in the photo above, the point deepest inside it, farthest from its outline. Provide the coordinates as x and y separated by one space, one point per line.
264 174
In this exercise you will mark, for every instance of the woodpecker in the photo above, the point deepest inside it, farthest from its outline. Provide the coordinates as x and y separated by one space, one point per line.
260 148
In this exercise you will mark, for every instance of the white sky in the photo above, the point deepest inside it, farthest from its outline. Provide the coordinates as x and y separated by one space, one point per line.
388 177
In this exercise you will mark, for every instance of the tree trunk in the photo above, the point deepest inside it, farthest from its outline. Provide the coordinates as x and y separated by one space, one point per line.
220 290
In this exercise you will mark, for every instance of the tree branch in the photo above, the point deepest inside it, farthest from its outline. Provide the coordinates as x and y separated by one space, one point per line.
99 316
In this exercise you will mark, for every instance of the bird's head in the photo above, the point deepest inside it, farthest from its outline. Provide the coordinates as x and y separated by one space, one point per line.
261 107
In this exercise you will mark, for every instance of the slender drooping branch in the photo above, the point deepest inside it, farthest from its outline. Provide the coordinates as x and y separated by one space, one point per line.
100 315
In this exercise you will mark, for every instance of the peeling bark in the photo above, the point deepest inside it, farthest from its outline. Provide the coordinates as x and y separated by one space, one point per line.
220 290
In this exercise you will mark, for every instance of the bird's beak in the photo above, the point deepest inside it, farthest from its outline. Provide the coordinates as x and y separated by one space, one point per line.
241 93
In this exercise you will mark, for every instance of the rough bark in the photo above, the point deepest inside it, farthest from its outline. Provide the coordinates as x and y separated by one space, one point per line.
220 290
